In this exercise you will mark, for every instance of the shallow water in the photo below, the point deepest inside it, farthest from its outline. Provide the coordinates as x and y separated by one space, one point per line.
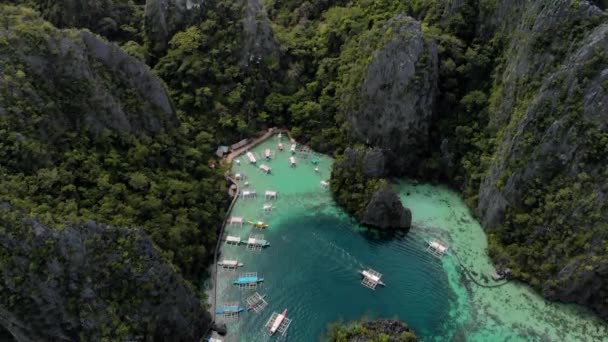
316 250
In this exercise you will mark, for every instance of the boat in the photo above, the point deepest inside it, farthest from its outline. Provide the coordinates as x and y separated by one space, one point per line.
230 263
373 277
229 309
257 300
259 224
267 153
277 322
248 280
251 157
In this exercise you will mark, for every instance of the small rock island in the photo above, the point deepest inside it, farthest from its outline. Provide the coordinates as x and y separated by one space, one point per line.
358 185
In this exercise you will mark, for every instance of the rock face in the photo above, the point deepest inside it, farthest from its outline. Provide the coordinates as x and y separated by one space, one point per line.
385 211
371 161
546 184
75 81
163 18
397 95
583 282
64 285
258 38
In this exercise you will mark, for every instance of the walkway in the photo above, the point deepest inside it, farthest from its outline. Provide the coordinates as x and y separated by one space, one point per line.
270 132
228 158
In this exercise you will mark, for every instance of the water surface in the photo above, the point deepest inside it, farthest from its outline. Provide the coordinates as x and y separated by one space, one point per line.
316 250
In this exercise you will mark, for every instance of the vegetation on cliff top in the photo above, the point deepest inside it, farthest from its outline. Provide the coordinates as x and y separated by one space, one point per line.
381 330
163 183
57 169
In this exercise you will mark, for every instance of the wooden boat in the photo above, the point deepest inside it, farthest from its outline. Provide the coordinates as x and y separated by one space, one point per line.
229 309
277 322
248 280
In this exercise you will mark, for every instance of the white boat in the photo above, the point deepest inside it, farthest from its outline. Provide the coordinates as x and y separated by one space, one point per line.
230 263
277 322
251 157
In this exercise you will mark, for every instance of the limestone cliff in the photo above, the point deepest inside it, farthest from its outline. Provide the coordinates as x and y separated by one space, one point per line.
76 81
163 18
358 186
385 211
113 19
393 106
546 185
258 38
90 282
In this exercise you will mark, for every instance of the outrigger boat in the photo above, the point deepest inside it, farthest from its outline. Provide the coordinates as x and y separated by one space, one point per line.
226 309
259 224
277 322
248 280
372 276
257 301
230 263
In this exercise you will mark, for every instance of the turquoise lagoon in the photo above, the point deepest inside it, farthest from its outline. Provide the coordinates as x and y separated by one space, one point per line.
311 268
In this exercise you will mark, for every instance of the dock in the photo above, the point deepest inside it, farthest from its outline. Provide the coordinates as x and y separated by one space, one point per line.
278 323
256 302
371 279
248 280
437 248
256 243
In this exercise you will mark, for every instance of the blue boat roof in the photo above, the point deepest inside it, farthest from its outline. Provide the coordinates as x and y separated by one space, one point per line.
248 279
229 308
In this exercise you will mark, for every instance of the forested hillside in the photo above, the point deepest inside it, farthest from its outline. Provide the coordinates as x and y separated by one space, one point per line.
110 111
